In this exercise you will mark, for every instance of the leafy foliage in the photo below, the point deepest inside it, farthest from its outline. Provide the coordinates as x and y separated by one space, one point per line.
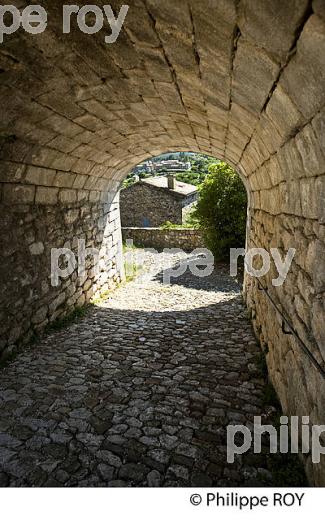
191 177
170 225
221 209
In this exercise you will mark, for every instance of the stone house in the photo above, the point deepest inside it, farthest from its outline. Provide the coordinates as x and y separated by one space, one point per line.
153 201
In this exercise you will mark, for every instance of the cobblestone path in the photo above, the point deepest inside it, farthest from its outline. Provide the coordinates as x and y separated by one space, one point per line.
137 393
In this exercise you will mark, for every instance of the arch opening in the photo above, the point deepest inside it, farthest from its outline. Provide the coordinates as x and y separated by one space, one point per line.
77 116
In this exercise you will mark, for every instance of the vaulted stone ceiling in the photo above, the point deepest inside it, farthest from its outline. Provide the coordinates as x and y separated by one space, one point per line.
233 79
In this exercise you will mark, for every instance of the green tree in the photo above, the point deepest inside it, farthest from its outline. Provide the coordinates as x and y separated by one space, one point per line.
190 177
221 210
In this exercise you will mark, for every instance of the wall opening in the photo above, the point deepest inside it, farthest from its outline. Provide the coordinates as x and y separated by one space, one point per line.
76 117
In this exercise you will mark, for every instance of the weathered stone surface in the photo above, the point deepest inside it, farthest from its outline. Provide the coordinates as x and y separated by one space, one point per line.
254 74
18 194
283 113
46 195
304 76
105 472
37 248
320 194
11 172
165 401
319 8
310 150
272 24
318 328
309 202
40 176
47 226
67 196
145 205
185 239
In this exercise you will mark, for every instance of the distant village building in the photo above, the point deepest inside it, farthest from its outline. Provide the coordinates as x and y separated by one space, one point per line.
172 165
162 167
153 201
145 167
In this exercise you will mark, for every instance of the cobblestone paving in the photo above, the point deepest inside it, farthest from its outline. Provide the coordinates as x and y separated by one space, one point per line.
138 392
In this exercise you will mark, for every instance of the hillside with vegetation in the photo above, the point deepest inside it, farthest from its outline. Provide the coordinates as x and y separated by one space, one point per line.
199 168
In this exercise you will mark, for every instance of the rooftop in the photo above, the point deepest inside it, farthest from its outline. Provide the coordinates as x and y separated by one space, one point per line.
181 188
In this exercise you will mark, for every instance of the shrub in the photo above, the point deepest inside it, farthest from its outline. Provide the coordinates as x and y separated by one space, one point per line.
170 225
221 210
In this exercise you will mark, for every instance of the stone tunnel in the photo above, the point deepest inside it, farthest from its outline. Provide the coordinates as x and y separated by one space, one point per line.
241 80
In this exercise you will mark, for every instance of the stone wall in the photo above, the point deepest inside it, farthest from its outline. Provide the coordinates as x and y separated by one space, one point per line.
33 221
301 299
144 206
185 239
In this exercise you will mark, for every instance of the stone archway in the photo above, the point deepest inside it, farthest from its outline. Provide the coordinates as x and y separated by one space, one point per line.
233 79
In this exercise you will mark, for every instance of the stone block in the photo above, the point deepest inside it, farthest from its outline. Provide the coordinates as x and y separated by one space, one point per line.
320 194
308 198
82 166
315 264
318 124
304 76
71 216
257 150
319 267
268 134
11 172
275 172
46 195
43 157
291 161
283 113
243 119
40 176
64 179
94 196
18 194
82 195
173 14
62 126
293 202
68 196
79 181
254 75
317 323
312 157
63 144
37 248
63 162
156 65
40 315
57 302
272 25
63 105
319 8
90 122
